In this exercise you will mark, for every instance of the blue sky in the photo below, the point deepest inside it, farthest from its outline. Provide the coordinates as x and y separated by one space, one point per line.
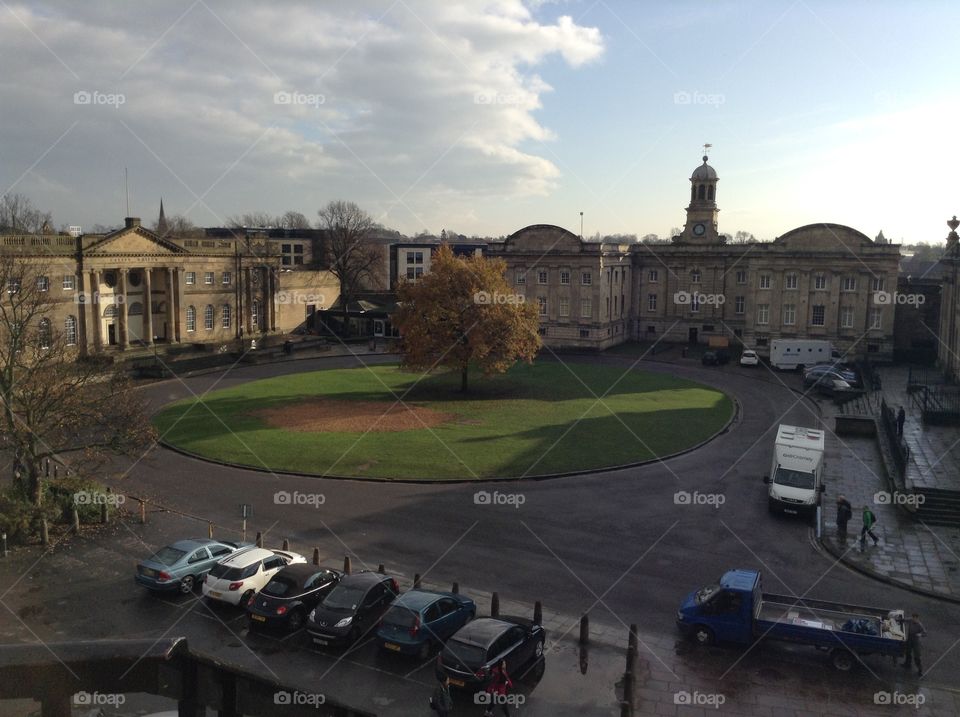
485 116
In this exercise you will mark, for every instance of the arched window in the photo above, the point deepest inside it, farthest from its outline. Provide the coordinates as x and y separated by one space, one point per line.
255 313
70 330
208 317
110 312
225 313
44 334
702 192
136 309
710 193
191 319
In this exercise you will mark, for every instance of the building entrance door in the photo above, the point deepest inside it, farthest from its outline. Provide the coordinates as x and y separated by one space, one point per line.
112 334
692 336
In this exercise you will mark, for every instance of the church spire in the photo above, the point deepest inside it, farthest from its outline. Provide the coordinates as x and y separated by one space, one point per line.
162 227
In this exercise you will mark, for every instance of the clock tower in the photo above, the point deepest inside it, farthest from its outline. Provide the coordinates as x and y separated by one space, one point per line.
701 225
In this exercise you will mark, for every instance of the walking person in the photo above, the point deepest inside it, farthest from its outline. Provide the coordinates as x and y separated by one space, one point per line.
901 419
441 702
844 514
869 521
497 688
914 630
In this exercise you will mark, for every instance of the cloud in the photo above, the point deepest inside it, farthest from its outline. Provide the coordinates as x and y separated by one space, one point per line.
390 105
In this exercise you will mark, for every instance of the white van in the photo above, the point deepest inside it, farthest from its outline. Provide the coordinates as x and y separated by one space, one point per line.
789 354
796 476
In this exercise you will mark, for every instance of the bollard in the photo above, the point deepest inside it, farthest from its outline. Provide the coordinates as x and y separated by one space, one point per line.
316 556
538 613
143 513
103 513
632 639
455 589
584 629
75 519
628 691
3 537
46 468
259 540
381 570
416 581
495 605
286 544
44 532
56 471
631 662
210 530
625 710
346 564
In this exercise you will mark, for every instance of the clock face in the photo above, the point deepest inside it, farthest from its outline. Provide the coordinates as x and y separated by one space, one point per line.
699 229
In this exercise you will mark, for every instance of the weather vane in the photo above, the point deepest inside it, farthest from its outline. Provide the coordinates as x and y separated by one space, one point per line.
705 148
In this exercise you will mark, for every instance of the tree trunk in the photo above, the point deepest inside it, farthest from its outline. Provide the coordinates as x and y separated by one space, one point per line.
463 379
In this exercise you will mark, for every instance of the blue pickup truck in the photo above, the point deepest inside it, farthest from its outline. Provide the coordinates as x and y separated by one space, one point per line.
736 610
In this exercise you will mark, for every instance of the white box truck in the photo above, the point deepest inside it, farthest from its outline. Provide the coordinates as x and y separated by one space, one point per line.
789 354
796 475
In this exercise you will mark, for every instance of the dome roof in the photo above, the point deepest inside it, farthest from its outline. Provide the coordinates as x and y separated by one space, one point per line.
704 171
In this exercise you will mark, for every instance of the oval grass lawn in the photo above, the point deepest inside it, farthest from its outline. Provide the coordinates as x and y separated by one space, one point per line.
534 420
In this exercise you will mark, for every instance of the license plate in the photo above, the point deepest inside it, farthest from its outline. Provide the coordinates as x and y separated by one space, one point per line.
320 641
391 646
214 593
259 618
790 510
458 683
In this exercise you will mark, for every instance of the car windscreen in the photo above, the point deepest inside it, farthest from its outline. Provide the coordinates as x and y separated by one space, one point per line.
706 594
168 555
794 479
281 587
344 597
229 573
458 653
400 616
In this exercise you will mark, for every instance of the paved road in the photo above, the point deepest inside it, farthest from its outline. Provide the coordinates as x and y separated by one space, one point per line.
615 544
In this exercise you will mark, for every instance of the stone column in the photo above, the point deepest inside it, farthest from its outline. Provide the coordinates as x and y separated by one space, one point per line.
177 299
82 299
122 306
147 307
169 316
248 301
272 298
96 311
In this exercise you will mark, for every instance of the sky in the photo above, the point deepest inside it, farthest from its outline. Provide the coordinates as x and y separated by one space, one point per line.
484 117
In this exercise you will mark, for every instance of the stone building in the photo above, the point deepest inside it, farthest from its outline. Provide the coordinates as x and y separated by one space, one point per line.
948 355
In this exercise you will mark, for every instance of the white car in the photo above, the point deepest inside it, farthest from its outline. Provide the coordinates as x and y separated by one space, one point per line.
749 358
239 577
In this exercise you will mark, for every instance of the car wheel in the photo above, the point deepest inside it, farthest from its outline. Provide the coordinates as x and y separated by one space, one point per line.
187 584
703 635
245 598
538 651
295 621
842 659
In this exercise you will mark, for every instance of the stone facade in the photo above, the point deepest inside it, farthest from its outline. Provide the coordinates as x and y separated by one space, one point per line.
948 354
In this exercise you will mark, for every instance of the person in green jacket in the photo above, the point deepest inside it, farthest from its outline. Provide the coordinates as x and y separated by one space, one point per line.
869 520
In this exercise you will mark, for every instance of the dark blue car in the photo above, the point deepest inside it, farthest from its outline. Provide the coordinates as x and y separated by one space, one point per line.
419 620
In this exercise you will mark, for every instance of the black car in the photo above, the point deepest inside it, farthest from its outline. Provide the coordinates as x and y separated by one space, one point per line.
352 608
476 648
290 595
715 358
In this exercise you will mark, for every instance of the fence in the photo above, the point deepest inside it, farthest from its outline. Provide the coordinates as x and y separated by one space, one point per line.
939 405
899 448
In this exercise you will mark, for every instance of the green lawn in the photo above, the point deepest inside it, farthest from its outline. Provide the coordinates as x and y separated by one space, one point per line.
531 421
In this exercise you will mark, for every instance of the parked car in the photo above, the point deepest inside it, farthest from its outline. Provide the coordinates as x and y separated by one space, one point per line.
477 647
833 387
184 564
237 578
812 374
355 605
418 620
715 358
290 595
749 358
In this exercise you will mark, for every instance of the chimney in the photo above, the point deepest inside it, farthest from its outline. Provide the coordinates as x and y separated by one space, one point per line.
132 222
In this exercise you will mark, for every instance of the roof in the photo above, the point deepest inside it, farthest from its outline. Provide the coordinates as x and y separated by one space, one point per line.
739 579
191 543
246 557
483 630
704 171
418 599
363 578
301 571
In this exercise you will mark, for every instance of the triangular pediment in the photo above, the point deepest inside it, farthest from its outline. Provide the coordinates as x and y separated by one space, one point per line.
136 240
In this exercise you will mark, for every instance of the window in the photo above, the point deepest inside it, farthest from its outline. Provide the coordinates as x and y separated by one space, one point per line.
564 306
255 314
876 318
191 319
653 276
606 307
791 281
878 283
820 281
542 276
291 254
651 302
763 314
739 304
414 257
584 333
564 277
846 317
542 330
694 303
520 277
70 330
586 308
789 314
695 276
227 278
226 315
414 272
208 317
764 281
45 335
741 276
13 286
819 315
43 283
69 282
191 278
586 278
849 283
542 304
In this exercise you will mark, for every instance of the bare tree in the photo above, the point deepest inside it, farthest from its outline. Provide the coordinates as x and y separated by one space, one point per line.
294 220
18 216
352 258
256 220
177 225
743 237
